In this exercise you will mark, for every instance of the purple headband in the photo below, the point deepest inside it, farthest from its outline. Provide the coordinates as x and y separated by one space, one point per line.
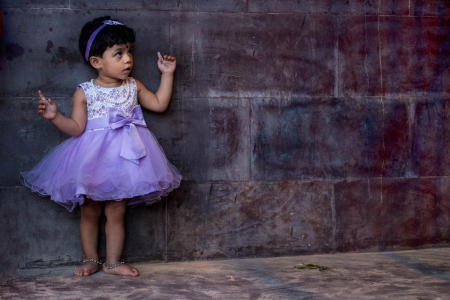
94 34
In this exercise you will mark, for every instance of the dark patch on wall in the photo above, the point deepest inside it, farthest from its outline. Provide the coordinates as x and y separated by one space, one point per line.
12 51
215 140
69 55
319 138
49 46
396 152
225 126
411 50
394 7
428 143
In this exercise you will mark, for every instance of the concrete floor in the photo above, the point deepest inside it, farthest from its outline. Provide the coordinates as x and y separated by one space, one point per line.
412 274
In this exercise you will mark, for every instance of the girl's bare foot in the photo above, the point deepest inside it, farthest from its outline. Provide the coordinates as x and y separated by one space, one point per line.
86 269
122 269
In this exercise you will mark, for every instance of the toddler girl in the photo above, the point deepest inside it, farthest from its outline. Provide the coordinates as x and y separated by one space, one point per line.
112 160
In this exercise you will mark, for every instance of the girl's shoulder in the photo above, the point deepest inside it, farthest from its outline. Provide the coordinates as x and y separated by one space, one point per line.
87 85
136 82
88 89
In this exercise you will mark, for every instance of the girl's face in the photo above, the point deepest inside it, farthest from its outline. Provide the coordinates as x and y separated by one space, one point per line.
117 61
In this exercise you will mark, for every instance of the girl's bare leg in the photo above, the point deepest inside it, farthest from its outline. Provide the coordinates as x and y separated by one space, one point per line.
115 237
90 214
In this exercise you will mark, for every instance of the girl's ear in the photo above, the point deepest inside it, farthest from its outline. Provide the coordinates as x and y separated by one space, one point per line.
96 62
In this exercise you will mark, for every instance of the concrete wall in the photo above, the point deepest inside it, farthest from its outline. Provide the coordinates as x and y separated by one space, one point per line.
299 126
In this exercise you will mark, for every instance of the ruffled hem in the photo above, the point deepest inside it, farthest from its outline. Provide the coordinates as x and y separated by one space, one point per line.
148 195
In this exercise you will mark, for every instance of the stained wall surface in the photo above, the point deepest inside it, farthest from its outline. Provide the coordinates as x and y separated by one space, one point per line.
299 126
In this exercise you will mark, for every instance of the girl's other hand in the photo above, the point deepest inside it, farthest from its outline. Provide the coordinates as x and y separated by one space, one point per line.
167 63
47 108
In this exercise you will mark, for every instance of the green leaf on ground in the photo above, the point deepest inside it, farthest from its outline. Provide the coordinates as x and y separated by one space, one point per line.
311 266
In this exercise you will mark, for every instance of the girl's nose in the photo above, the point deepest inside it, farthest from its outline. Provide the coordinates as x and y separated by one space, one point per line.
128 57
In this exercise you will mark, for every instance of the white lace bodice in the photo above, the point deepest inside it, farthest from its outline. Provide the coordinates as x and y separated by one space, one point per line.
99 99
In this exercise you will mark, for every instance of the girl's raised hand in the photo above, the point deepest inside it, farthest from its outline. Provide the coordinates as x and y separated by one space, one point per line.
47 108
167 63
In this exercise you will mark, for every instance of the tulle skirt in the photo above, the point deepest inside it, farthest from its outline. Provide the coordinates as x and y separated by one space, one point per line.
91 166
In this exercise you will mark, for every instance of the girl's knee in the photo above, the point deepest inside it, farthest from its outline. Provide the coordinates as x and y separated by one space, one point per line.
115 210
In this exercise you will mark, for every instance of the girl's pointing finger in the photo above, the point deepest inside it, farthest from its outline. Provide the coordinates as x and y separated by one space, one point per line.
41 95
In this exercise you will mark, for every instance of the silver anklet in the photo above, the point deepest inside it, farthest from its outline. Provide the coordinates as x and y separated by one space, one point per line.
85 260
113 265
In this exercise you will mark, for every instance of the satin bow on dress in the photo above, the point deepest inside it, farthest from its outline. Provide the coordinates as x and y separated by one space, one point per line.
132 147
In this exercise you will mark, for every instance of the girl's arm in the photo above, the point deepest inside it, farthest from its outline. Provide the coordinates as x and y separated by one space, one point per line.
160 101
74 125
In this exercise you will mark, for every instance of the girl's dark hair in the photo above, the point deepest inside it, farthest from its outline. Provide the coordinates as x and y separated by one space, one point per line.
109 36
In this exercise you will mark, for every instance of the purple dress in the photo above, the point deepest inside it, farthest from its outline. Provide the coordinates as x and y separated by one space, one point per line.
116 157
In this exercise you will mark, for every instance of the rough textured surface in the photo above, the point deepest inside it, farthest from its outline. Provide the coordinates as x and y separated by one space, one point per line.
415 141
254 55
359 69
418 274
239 219
414 55
215 139
316 138
299 126
395 212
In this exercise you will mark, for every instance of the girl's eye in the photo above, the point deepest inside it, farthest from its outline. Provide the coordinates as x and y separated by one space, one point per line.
118 54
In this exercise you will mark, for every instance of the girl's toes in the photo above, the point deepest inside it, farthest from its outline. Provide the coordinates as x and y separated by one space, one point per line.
78 271
128 270
86 269
122 270
135 272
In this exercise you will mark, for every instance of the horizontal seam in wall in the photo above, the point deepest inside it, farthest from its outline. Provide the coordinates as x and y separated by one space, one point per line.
222 12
